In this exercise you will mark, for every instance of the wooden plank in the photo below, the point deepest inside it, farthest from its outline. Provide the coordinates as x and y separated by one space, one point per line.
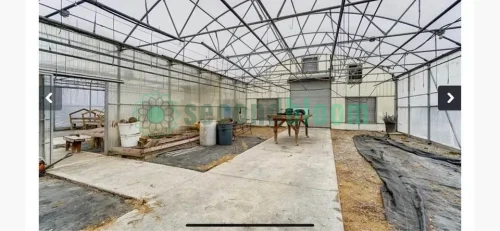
76 138
137 152
168 145
127 151
155 142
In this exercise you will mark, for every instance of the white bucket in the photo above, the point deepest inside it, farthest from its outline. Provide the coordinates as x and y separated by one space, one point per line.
128 128
207 132
129 140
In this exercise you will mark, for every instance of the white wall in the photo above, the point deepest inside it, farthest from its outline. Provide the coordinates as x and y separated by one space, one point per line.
183 85
444 126
384 93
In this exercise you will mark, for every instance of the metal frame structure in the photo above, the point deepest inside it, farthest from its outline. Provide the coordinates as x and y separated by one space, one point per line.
229 61
256 43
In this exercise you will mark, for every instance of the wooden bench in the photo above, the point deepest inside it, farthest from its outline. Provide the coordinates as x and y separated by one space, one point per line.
75 142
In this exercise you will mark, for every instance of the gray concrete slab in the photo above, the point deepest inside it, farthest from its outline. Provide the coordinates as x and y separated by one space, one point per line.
269 183
311 164
67 206
216 198
291 184
131 178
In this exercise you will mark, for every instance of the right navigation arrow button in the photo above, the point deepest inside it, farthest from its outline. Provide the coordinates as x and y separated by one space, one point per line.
451 97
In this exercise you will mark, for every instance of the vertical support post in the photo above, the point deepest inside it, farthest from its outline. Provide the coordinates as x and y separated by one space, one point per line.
169 92
52 119
396 100
90 97
220 98
118 87
428 104
409 109
233 112
199 96
359 106
106 118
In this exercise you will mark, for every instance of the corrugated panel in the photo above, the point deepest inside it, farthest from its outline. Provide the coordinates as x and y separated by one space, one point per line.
361 110
316 99
266 107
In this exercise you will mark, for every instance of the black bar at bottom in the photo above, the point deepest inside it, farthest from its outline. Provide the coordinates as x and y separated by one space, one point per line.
249 225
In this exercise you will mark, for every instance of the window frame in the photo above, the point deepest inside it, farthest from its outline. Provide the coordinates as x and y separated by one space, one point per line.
314 60
265 112
355 73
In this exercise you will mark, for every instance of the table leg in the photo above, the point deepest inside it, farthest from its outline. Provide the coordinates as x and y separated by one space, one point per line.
288 129
297 136
307 132
98 141
67 145
275 131
78 146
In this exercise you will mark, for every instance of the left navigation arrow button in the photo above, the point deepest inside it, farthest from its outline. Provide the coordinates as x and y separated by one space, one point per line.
48 97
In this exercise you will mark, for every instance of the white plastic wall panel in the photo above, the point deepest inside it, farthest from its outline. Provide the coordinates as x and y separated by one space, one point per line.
444 129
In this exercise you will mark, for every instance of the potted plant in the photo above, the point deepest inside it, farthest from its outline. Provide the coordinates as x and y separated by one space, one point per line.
390 122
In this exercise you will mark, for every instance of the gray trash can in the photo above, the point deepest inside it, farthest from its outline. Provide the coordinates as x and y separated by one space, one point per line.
225 134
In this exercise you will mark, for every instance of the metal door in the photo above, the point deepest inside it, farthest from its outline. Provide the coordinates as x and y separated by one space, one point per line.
317 99
361 110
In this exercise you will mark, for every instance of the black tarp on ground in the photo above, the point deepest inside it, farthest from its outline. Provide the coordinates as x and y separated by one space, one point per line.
421 190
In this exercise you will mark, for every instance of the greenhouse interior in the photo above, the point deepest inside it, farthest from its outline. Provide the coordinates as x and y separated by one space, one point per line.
325 115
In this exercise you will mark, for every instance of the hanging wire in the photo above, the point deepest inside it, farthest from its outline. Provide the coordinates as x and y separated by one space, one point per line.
60 11
419 8
448 66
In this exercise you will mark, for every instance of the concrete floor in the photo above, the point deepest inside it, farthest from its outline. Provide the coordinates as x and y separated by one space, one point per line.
269 183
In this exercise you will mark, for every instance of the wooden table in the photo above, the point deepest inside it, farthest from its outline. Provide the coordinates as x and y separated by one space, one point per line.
75 142
293 122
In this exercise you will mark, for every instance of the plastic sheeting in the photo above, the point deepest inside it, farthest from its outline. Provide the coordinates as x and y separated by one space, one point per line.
421 190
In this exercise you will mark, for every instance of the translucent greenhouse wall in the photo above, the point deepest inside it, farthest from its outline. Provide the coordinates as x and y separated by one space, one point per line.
442 126
185 91
384 93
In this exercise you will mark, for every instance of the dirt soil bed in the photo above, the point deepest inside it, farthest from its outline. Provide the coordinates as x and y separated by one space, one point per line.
265 132
359 185
416 143
202 159
67 206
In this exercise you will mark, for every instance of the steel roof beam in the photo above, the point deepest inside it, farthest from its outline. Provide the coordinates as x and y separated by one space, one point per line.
415 35
256 36
65 8
248 73
142 18
392 27
123 45
329 44
362 57
259 22
290 53
129 18
189 17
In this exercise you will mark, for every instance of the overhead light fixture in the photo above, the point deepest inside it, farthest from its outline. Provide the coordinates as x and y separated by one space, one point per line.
65 13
